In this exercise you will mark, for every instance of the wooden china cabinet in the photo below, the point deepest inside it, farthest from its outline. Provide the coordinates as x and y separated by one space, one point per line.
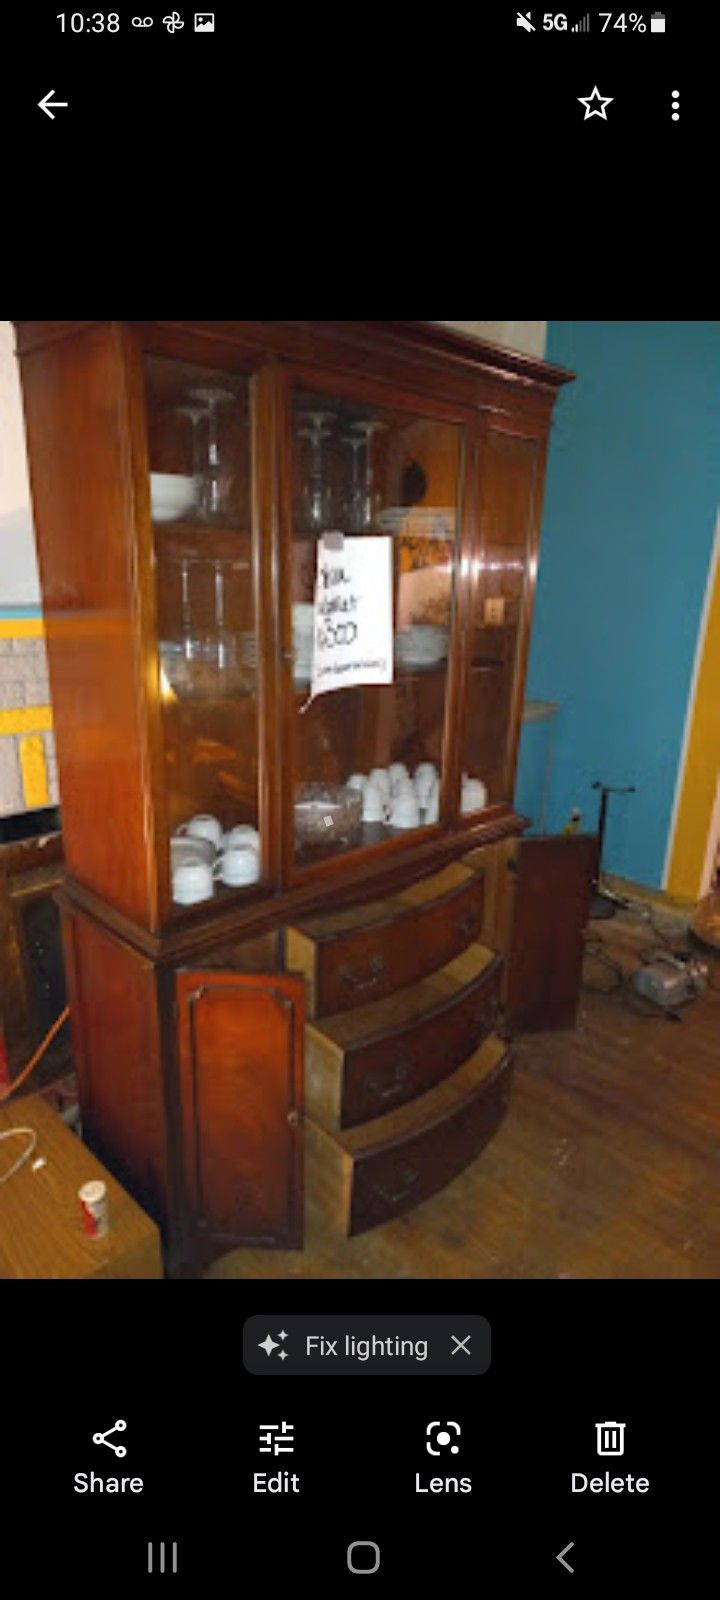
332 1020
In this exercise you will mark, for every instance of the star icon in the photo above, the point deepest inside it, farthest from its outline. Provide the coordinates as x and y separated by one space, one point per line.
282 1335
283 1355
595 104
268 1345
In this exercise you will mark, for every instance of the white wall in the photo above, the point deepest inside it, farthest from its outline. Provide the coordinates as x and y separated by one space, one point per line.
19 585
530 337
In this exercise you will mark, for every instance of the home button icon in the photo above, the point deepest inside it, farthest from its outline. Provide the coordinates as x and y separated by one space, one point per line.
363 1556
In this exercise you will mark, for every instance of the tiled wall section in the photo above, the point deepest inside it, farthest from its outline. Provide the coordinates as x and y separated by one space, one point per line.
28 767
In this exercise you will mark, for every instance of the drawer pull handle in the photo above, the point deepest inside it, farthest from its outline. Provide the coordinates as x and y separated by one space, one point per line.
392 1197
487 1017
294 1118
393 1083
467 926
356 980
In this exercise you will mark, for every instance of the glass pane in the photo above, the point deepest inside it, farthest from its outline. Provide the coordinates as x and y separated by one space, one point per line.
507 494
368 759
199 447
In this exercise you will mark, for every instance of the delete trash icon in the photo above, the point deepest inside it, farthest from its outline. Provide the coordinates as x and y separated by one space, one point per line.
204 21
610 1438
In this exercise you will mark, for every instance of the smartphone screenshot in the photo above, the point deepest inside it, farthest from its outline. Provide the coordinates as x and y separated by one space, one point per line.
359 807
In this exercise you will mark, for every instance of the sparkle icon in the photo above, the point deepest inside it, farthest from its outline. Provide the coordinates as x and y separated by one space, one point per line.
595 104
268 1344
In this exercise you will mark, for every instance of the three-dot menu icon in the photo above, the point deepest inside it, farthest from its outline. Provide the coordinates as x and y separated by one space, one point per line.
675 113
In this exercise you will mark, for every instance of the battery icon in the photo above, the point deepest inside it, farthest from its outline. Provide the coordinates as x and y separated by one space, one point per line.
657 22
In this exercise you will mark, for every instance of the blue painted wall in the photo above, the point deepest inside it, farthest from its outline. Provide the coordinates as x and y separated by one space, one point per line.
632 493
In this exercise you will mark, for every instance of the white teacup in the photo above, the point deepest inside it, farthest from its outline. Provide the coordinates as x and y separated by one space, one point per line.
182 850
380 778
203 826
405 811
474 795
423 781
432 804
238 866
357 781
373 804
242 837
192 881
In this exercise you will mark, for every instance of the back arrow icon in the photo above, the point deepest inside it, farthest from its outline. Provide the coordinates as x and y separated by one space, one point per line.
566 1564
47 102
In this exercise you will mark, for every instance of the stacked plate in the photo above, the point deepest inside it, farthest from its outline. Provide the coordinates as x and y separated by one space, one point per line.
248 650
303 626
421 645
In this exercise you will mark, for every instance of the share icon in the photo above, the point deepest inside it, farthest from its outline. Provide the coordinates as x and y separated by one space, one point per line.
104 1438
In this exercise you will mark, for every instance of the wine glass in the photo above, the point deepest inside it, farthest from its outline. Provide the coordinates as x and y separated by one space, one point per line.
355 497
215 480
225 641
183 660
196 415
371 496
316 498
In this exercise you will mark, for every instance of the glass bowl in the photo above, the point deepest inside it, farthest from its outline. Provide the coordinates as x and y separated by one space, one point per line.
327 814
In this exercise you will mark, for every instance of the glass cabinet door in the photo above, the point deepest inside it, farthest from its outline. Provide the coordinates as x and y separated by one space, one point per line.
200 495
368 760
508 494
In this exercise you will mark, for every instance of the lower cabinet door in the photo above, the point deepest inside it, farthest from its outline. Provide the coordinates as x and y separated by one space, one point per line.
552 901
241 1082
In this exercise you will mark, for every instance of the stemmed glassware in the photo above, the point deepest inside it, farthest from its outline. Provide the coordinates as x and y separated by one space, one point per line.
214 478
355 497
371 498
317 499
224 641
196 415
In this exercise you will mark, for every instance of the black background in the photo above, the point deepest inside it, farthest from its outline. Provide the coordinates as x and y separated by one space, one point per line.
321 150
167 1359
348 81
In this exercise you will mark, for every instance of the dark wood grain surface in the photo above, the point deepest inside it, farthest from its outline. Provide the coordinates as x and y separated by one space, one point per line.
605 1167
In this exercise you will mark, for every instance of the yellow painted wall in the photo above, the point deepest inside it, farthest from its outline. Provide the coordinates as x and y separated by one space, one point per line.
26 782
702 760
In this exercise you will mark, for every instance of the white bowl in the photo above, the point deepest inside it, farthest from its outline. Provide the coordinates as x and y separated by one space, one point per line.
171 493
422 645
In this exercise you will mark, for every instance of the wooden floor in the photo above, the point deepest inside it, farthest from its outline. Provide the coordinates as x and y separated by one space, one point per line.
607 1166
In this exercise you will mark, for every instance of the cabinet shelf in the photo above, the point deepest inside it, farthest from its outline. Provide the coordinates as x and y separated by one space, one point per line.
202 541
402 676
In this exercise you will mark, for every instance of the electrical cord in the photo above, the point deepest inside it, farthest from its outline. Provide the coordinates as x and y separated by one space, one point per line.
5 1094
641 1005
13 1133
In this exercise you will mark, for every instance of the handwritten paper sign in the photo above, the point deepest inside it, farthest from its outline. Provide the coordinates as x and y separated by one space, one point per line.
353 613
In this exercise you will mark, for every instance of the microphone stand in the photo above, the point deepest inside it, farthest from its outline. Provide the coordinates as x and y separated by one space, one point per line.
603 903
